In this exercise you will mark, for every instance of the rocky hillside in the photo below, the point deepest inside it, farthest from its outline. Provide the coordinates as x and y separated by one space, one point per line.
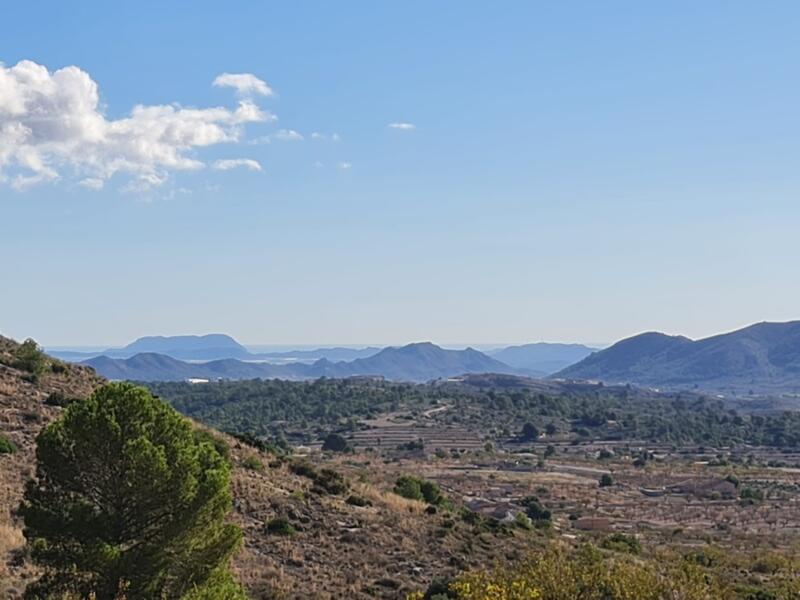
383 549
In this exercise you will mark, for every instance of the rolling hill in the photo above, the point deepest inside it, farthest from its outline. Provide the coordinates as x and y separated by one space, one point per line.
762 358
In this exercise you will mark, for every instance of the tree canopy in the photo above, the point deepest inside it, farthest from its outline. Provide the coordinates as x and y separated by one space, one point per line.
129 502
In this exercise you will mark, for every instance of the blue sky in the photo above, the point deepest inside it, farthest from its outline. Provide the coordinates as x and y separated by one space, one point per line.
576 171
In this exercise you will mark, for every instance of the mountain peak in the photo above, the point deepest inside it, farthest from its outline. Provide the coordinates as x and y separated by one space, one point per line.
763 354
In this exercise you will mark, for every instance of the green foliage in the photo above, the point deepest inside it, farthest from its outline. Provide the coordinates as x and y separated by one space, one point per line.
219 586
416 488
6 445
127 498
280 526
523 521
326 481
330 482
606 480
619 542
267 408
751 495
255 442
204 436
560 574
335 443
304 469
408 487
536 512
253 463
529 432
28 357
358 501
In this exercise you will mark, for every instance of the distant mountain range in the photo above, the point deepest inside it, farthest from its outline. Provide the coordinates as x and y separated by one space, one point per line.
214 346
417 362
414 362
541 359
762 358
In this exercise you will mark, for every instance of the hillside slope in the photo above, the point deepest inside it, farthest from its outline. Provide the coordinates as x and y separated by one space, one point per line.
382 550
764 357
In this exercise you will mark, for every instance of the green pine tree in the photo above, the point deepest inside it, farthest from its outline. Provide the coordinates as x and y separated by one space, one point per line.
129 503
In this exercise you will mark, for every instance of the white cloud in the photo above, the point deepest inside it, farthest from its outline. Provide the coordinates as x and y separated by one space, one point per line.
93 183
245 84
402 126
344 166
287 135
232 163
51 127
316 135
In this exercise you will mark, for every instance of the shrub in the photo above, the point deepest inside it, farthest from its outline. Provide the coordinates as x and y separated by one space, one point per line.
557 574
58 399
253 463
523 521
536 512
408 487
304 469
416 488
751 495
358 501
58 367
606 480
430 492
28 357
280 526
619 542
6 445
331 482
335 443
529 432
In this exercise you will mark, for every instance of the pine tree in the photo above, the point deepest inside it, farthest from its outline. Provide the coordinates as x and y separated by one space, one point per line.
129 503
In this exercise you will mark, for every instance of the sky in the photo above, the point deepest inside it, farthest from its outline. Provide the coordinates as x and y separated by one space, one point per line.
388 172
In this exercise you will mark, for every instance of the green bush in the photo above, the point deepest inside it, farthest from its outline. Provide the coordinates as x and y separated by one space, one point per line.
253 463
416 488
536 512
335 443
358 501
408 487
6 445
606 480
304 469
28 357
280 526
329 481
619 542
